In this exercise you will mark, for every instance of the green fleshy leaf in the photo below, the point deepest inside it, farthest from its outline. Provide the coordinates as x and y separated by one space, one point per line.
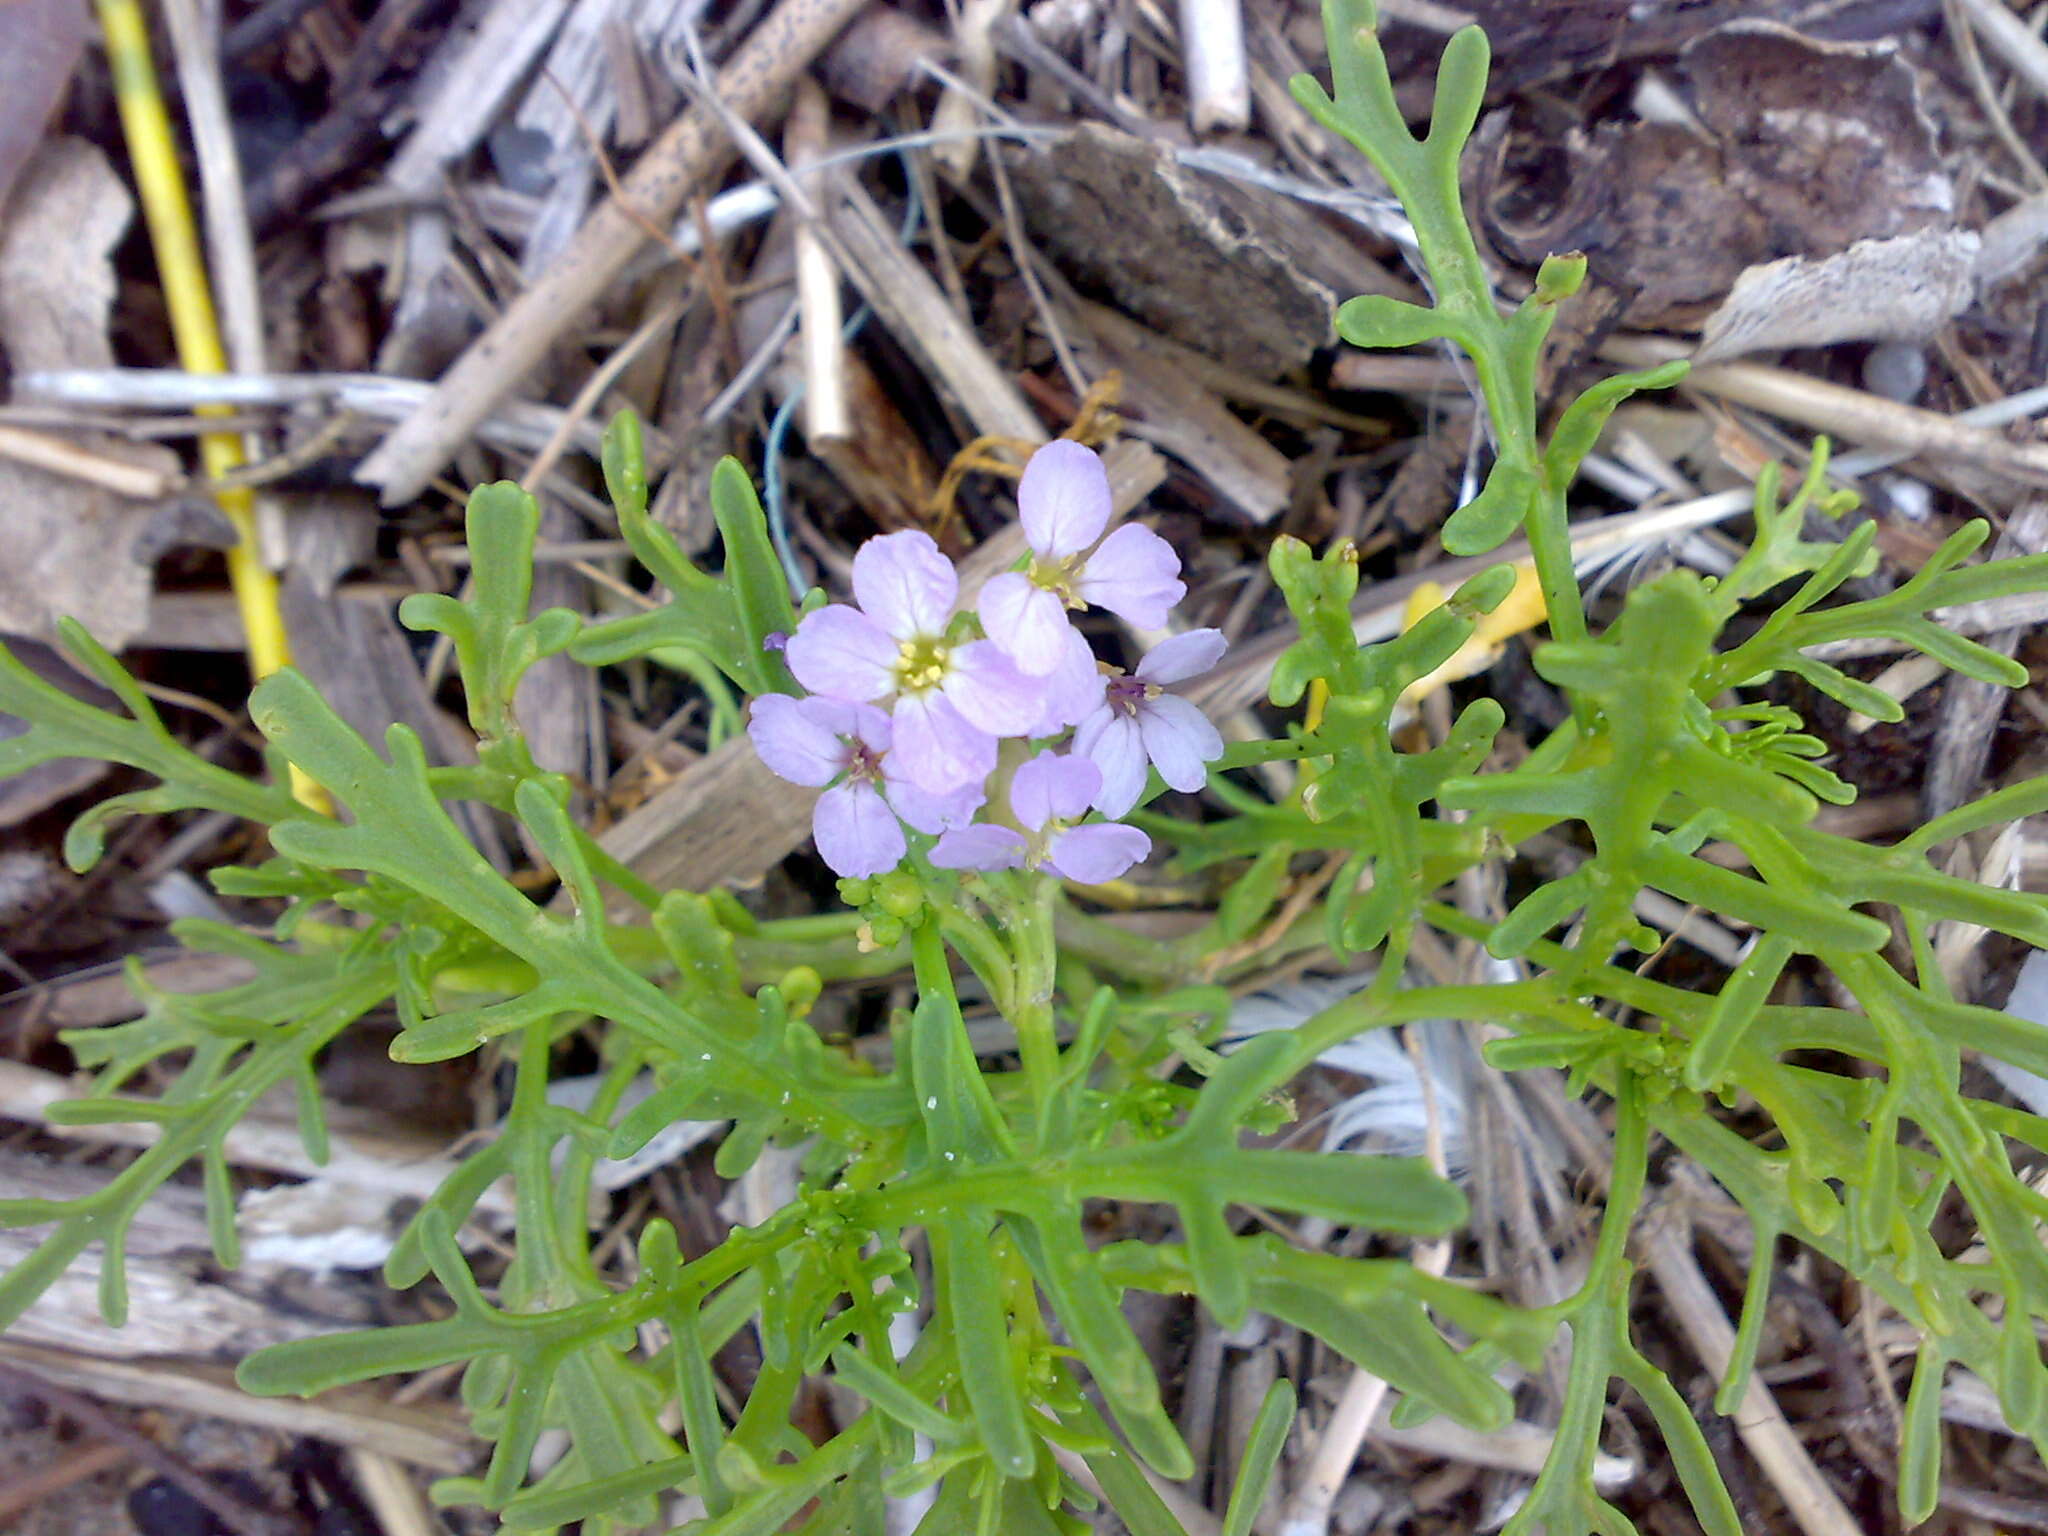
1488 519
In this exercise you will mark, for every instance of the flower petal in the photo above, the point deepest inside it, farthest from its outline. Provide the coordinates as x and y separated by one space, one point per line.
1135 575
929 813
857 834
1110 739
986 687
1028 622
1053 787
841 652
1073 689
794 743
870 726
1183 657
936 750
904 584
1180 741
979 847
1063 499
1095 853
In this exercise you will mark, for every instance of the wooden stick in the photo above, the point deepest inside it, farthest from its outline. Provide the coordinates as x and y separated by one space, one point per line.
45 450
909 301
2012 40
1847 413
689 152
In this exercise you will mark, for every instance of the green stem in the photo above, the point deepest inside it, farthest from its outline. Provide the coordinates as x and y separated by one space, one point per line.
1036 957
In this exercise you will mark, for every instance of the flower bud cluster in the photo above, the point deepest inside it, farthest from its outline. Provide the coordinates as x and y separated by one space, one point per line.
910 697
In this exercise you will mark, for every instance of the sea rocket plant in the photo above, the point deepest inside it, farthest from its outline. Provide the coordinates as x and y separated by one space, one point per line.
910 699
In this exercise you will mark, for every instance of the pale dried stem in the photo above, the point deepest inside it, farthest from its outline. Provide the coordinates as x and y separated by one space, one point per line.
1028 274
1219 87
398 1165
821 318
966 86
1972 58
580 409
431 1438
387 1486
907 300
515 426
231 250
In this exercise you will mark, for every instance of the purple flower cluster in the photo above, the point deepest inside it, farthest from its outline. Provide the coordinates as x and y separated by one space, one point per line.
909 698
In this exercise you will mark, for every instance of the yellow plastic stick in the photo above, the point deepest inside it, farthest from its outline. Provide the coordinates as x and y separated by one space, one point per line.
189 298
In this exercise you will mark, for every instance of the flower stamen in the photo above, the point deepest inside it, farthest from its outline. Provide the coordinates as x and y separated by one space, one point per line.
921 664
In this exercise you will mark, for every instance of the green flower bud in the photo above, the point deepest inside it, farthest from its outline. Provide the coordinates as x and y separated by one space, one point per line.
1559 276
800 988
899 895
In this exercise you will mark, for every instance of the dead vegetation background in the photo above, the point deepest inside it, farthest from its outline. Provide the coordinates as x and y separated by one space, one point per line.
879 251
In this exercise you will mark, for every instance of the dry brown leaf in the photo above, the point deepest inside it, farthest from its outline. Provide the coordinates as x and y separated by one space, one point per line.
67 549
44 40
2013 240
1902 289
1799 148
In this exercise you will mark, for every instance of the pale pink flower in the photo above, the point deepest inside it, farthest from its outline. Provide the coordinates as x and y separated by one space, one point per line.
1063 502
948 699
820 741
1048 795
1139 724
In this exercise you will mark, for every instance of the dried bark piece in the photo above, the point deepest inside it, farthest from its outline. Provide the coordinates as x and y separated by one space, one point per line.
1242 274
1169 407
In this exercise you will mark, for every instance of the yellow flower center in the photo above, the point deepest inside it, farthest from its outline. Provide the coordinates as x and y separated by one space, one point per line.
1056 577
921 664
